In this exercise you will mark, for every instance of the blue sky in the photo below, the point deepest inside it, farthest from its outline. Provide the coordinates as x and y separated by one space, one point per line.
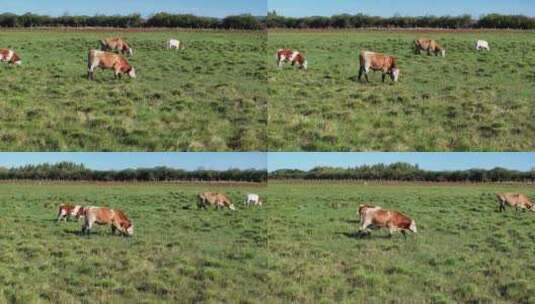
300 8
429 161
213 8
274 161
105 161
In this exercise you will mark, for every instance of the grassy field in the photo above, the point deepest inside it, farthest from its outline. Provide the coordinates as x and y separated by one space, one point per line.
178 254
301 247
467 101
210 96
464 252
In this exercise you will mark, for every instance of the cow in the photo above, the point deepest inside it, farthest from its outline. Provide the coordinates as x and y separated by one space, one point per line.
378 217
482 45
517 200
253 199
67 210
7 55
218 200
116 44
378 62
175 44
106 216
294 57
107 60
430 46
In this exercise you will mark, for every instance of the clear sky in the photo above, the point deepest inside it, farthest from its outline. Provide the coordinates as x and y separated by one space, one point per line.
429 161
105 161
387 8
213 8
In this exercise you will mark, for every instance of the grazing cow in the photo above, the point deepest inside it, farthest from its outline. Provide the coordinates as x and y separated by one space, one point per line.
378 62
106 60
106 216
253 199
482 45
7 55
70 211
294 57
175 44
378 217
517 200
430 46
116 44
218 200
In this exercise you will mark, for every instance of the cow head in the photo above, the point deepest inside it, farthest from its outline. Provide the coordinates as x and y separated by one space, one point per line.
532 208
130 51
394 74
412 227
231 207
305 65
16 59
443 52
132 72
128 228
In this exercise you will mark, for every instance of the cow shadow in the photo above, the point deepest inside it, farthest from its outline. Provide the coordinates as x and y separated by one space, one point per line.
363 236
77 232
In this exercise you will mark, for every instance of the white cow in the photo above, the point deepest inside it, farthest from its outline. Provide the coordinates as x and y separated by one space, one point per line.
253 199
482 45
174 44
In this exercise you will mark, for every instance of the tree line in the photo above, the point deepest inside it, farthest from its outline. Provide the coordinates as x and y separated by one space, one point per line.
67 171
404 172
243 22
492 21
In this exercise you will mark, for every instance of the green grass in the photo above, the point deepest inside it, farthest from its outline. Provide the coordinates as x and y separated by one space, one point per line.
210 96
464 252
178 254
468 101
301 247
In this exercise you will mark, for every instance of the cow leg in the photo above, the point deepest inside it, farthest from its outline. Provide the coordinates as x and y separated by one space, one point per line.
86 228
390 231
384 76
361 71
60 216
404 234
113 228
364 227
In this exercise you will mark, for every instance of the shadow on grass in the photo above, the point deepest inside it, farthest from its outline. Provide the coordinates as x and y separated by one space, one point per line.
77 232
363 236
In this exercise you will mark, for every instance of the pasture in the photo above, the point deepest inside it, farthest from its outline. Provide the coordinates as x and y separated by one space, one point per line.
467 101
178 254
210 96
464 252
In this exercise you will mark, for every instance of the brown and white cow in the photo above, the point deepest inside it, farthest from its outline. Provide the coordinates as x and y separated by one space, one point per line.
218 200
7 55
517 200
107 60
67 210
294 57
116 44
377 217
378 62
430 46
106 216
